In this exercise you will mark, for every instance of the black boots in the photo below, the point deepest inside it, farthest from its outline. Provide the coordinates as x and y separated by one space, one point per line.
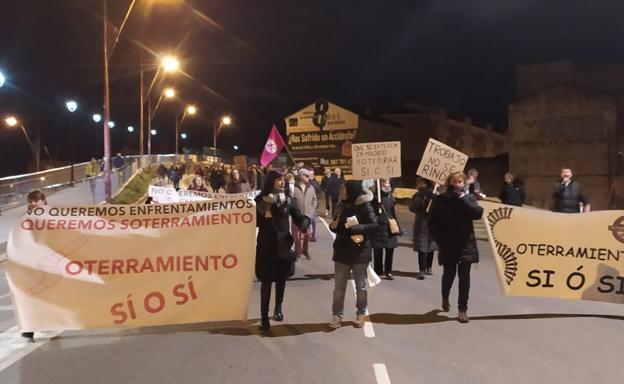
277 314
265 324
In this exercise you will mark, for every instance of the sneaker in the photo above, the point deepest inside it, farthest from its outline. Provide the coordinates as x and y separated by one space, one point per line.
335 322
359 322
420 276
462 317
389 276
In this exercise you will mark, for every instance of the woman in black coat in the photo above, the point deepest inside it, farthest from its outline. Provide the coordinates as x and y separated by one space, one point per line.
512 192
452 214
423 242
275 259
383 239
354 223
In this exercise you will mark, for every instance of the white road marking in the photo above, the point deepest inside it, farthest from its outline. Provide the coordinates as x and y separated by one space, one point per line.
13 347
369 331
381 373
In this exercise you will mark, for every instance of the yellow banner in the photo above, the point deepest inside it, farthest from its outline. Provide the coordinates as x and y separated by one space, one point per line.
547 254
132 265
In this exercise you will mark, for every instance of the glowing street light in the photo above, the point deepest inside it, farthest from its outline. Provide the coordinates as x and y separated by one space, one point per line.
11 121
111 124
191 110
130 129
235 147
97 117
170 64
169 93
153 132
184 136
2 79
225 120
71 105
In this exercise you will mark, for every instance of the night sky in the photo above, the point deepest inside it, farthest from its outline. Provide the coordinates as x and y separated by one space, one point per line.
263 60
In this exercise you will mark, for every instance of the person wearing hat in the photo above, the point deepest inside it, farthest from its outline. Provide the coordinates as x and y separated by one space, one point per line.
275 259
304 197
355 223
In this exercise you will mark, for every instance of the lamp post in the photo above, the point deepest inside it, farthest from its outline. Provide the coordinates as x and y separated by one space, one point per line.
12 121
189 110
225 120
167 93
2 79
72 107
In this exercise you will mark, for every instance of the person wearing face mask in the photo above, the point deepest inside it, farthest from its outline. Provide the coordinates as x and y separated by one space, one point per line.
452 214
275 259
383 239
568 196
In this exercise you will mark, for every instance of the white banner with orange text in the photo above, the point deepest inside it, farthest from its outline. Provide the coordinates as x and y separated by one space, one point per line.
164 195
546 254
132 265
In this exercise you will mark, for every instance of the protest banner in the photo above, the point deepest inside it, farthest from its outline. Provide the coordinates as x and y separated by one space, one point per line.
439 161
132 265
546 254
163 195
380 160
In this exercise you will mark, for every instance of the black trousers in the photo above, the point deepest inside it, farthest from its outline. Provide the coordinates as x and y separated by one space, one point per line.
265 296
463 270
327 201
425 261
382 266
334 206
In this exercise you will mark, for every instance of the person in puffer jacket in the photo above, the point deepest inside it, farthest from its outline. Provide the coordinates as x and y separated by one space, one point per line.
354 223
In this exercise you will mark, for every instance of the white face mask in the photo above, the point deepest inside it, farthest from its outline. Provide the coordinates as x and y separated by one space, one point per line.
291 182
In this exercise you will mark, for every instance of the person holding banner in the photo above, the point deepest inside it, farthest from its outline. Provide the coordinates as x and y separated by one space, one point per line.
34 199
384 239
275 258
452 214
354 223
423 242
198 184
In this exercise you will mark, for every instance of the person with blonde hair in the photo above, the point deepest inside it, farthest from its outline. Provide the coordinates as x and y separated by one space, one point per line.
451 225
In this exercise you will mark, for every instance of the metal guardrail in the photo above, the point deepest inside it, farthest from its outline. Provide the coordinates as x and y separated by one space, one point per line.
13 189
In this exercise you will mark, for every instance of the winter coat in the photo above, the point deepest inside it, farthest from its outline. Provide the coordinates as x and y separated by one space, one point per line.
174 175
345 249
512 194
305 199
325 183
422 238
240 186
274 236
162 171
452 228
334 186
382 238
317 187
118 161
567 198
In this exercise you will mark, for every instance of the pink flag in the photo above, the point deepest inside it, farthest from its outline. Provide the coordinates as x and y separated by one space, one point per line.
274 145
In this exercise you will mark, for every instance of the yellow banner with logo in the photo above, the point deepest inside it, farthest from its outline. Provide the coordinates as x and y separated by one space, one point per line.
547 254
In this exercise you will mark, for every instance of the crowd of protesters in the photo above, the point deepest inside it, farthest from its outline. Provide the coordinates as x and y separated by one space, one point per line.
363 217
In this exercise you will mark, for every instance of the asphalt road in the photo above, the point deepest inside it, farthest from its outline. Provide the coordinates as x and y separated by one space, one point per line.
407 340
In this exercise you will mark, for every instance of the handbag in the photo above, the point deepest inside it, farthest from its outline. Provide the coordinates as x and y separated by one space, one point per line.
393 225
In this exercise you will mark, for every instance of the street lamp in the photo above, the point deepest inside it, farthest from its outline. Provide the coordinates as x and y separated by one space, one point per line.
225 120
235 147
72 106
97 117
2 79
189 110
170 63
111 124
169 93
130 129
184 136
12 121
153 132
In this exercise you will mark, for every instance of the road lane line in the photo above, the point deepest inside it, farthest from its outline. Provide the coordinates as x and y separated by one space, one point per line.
369 331
381 373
